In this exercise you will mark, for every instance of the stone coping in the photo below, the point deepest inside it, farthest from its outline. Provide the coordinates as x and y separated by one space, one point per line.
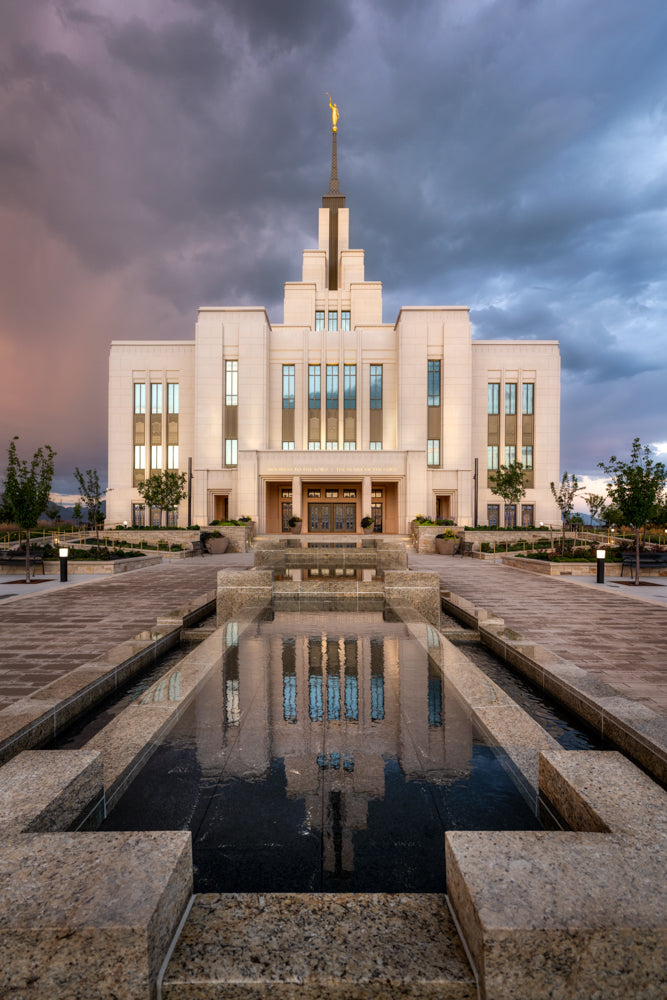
30 721
358 946
576 914
630 725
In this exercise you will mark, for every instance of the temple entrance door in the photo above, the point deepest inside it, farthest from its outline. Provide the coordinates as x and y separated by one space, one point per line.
286 509
331 517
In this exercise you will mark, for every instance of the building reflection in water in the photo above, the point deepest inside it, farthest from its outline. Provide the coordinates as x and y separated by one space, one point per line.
337 697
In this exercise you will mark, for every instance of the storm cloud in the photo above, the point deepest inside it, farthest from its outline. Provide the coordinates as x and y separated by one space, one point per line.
165 154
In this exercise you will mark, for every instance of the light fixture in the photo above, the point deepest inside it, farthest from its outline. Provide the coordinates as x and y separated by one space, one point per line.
600 565
63 553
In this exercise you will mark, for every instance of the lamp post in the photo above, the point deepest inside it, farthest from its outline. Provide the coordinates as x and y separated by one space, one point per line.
63 553
600 565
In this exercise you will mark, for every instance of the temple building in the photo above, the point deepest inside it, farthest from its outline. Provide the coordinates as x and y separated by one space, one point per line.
333 415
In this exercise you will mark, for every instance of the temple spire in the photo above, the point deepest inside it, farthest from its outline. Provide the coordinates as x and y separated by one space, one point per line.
333 200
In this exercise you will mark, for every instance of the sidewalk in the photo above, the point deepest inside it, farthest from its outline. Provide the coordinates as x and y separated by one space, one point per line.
617 632
47 629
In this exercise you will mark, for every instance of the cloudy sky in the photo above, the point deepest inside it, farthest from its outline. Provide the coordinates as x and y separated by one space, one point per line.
158 155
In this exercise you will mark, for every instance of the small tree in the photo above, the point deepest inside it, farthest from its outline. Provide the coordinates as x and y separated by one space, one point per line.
164 490
77 513
636 489
596 505
92 495
508 484
27 489
565 494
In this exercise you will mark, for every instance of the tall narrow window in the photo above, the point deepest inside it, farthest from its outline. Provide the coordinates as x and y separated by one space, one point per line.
231 451
319 319
527 394
333 320
345 319
288 387
314 390
494 397
156 397
140 456
156 456
172 397
434 383
376 387
231 383
433 452
139 397
527 456
492 456
350 388
510 397
172 456
332 387
510 454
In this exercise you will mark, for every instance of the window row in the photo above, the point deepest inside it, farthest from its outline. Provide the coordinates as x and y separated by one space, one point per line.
156 397
333 446
332 320
510 456
156 456
527 397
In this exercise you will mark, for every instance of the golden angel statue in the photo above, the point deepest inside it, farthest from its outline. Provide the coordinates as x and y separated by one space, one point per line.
335 113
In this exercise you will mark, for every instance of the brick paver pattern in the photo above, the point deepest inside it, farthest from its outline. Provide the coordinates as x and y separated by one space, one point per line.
49 634
621 640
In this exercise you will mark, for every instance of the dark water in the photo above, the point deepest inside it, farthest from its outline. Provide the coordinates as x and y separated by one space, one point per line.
77 734
566 729
325 755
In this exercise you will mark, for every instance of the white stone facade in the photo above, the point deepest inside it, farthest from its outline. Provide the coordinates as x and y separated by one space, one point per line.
382 437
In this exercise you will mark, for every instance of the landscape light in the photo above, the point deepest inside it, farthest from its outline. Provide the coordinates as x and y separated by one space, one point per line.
600 553
63 553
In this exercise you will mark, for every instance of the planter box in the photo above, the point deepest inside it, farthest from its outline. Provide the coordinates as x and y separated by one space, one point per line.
544 568
112 567
423 536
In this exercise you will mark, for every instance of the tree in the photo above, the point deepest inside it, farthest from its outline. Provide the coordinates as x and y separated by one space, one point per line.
636 489
596 505
164 490
92 495
508 484
77 513
564 495
27 489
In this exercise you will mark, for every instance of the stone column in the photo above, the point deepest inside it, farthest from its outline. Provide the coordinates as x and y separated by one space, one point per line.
365 497
296 496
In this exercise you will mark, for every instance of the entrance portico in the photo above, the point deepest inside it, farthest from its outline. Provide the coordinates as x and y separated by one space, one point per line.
331 492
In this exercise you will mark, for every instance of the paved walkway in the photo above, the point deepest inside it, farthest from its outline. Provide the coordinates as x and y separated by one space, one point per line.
47 629
617 633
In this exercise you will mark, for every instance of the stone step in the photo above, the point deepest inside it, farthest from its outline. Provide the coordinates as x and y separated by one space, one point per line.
316 946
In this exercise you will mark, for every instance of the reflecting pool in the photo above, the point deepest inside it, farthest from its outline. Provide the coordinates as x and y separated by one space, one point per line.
327 753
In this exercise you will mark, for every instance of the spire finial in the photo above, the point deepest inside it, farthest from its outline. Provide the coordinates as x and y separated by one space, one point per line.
335 115
333 200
